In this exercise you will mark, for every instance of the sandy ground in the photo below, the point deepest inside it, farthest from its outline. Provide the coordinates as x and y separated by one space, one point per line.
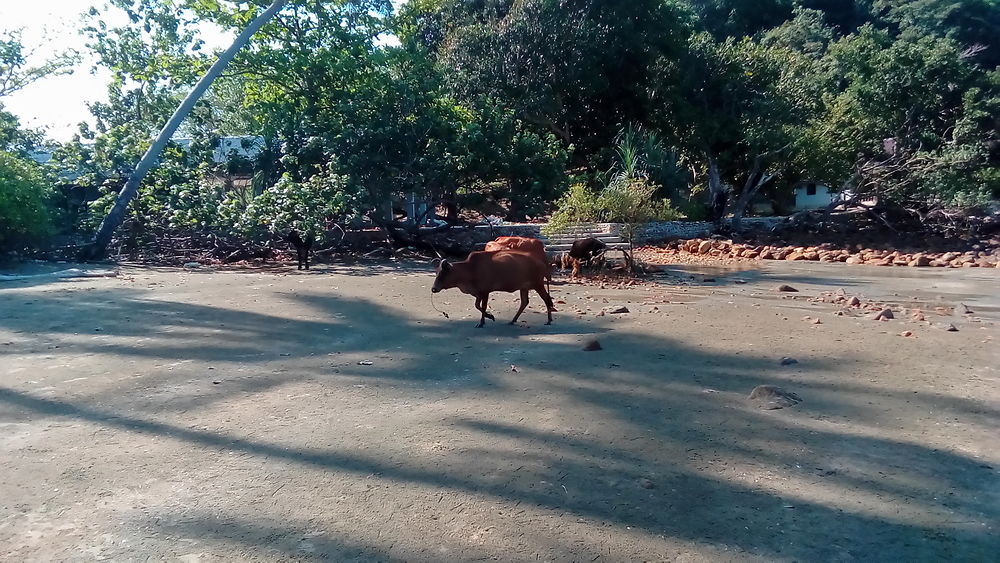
204 415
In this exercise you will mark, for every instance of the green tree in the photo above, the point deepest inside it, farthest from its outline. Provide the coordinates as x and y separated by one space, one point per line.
735 109
913 123
25 206
16 71
579 69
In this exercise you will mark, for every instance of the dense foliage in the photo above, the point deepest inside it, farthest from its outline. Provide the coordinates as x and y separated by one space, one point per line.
592 109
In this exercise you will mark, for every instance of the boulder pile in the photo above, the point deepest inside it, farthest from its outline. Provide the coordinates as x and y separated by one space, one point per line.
727 249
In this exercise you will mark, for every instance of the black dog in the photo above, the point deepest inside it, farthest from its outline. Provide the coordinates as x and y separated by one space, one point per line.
302 247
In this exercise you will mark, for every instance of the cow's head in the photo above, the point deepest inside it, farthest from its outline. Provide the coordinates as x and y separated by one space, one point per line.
444 270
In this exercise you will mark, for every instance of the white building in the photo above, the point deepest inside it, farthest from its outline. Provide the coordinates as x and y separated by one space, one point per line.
247 147
814 196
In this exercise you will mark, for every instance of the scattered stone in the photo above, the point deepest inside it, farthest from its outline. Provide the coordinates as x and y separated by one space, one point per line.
854 302
950 328
592 346
854 260
707 280
787 361
192 265
513 368
615 310
786 288
646 484
906 333
704 247
884 315
738 281
772 397
365 363
962 309
817 322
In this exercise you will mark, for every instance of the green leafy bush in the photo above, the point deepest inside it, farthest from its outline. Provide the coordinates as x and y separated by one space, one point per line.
304 206
25 195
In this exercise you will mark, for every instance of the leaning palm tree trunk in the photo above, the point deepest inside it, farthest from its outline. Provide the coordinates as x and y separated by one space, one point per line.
117 213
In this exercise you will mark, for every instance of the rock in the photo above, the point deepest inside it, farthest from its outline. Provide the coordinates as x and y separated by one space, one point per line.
919 261
615 310
854 302
906 333
704 247
950 328
817 322
810 255
787 361
795 256
772 397
949 256
962 309
884 315
786 288
592 346
192 265
647 484
854 259
766 255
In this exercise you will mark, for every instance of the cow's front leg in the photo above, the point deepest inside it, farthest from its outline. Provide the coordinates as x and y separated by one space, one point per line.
481 305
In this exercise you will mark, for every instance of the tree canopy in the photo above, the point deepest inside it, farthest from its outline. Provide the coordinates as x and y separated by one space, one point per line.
502 105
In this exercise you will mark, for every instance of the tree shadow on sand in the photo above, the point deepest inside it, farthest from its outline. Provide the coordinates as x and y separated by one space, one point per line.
655 434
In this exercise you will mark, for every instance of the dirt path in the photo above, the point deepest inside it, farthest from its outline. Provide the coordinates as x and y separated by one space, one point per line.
333 415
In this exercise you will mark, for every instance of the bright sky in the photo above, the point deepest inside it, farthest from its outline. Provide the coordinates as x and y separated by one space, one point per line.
58 103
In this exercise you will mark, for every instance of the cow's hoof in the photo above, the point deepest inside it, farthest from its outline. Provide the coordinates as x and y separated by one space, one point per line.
480 325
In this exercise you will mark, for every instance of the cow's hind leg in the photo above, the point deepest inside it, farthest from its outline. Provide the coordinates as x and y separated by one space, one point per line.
524 303
549 305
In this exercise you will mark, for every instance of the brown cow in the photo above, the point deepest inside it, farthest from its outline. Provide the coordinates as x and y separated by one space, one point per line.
484 272
530 246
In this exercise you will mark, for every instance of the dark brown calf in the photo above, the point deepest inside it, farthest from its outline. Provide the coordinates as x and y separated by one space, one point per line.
302 247
584 251
485 272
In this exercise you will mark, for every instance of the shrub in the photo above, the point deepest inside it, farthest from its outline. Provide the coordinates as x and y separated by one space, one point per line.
25 197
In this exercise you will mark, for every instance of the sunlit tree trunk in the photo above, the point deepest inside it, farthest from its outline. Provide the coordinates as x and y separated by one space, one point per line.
117 214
